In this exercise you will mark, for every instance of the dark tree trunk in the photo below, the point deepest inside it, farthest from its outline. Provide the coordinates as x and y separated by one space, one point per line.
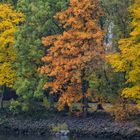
51 100
67 108
100 106
2 96
85 85
1 101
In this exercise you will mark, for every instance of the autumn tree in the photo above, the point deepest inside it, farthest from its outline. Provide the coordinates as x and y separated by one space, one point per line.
127 60
70 53
8 26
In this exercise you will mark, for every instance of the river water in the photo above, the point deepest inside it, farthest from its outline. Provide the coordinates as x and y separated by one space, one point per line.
48 138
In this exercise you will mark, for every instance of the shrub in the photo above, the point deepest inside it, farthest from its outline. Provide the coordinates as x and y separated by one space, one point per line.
123 112
57 128
15 107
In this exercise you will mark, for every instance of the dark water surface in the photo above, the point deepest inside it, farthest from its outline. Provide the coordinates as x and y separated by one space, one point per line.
48 138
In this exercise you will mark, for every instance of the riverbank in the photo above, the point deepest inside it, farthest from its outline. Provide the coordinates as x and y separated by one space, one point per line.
95 125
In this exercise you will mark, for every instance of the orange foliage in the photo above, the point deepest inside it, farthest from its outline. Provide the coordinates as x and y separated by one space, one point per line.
72 51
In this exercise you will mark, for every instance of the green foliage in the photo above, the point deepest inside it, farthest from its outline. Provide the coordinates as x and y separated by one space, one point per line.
18 107
105 84
15 107
39 22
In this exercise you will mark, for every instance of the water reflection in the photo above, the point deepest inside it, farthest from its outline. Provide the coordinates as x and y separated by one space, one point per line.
48 138
33 138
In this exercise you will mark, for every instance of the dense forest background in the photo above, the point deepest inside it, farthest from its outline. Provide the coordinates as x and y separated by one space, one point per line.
91 55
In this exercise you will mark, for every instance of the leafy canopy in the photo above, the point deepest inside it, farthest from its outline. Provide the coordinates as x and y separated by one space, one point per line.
9 19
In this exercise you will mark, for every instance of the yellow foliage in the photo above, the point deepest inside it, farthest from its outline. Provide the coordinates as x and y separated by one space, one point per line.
7 75
128 59
133 92
9 19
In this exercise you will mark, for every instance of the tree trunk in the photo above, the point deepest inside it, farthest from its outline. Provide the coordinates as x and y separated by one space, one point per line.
85 85
1 101
100 106
51 100
84 105
1 98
